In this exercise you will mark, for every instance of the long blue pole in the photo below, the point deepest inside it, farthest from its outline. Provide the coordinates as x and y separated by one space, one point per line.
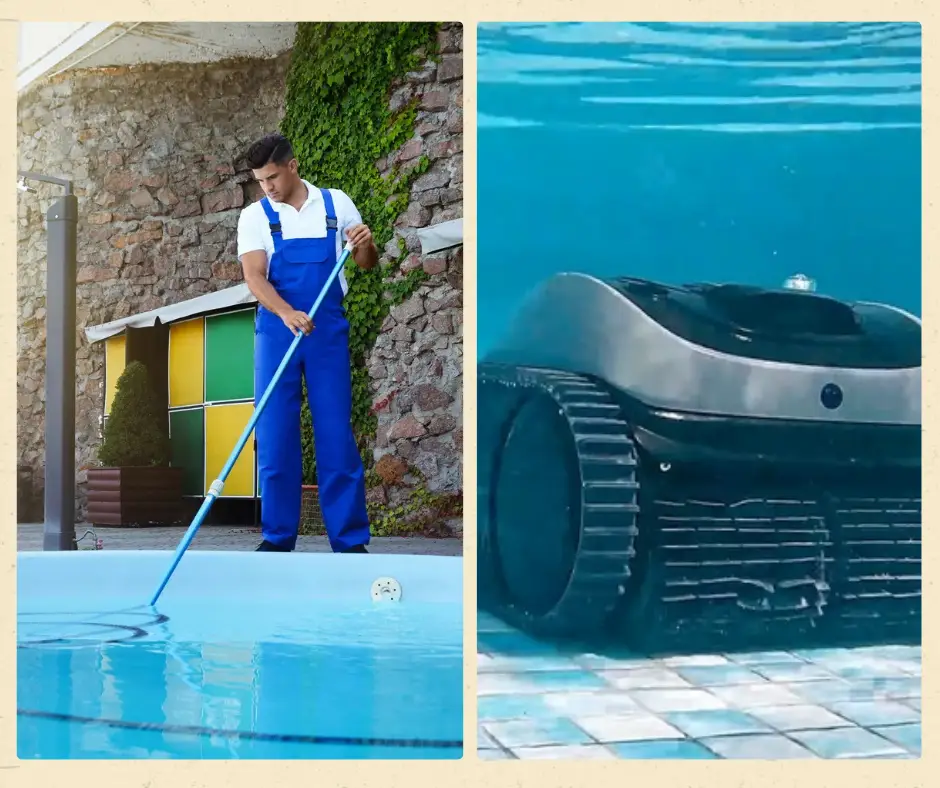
215 489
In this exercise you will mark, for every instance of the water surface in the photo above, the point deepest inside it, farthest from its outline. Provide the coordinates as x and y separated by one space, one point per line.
690 152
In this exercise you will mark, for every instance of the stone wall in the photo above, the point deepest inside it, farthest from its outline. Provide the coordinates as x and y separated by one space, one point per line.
416 366
153 152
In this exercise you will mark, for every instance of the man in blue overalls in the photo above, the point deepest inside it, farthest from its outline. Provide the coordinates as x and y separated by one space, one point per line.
288 243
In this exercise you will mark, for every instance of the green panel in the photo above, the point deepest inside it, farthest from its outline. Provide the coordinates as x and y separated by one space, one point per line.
187 442
230 349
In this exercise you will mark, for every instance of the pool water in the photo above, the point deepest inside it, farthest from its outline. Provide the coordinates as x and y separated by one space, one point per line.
699 152
249 662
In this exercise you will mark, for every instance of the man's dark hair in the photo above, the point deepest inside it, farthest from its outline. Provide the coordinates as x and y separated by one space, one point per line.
271 148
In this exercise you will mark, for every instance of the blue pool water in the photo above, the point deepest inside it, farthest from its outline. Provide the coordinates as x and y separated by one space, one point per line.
689 152
245 656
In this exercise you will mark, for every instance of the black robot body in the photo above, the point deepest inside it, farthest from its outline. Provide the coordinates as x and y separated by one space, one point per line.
677 466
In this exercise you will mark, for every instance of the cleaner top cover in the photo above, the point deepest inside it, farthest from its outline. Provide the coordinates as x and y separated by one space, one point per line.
727 349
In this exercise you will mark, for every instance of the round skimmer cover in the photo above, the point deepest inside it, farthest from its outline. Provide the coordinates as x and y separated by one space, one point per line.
386 589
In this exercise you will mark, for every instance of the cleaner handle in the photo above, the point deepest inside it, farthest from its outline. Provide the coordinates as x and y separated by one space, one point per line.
215 489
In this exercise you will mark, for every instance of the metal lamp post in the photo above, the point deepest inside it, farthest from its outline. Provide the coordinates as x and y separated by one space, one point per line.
61 251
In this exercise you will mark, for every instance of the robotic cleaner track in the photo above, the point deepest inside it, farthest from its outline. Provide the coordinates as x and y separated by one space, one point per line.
675 469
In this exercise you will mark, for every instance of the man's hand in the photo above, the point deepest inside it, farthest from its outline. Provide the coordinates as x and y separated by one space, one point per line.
359 235
364 252
297 321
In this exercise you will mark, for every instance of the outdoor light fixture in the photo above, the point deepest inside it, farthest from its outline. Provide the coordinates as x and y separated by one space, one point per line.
61 248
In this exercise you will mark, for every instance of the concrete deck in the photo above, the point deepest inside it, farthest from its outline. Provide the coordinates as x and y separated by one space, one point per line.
218 537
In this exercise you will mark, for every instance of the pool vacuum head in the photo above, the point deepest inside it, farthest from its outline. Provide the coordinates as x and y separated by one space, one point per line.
701 467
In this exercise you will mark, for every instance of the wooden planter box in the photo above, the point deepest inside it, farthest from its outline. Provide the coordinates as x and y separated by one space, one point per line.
135 496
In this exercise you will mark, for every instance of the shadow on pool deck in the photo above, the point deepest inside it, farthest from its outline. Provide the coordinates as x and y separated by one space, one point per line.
220 537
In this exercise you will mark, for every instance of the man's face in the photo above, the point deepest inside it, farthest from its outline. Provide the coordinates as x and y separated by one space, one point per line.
277 179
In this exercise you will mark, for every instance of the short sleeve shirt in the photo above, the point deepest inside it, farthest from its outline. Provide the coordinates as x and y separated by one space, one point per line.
254 234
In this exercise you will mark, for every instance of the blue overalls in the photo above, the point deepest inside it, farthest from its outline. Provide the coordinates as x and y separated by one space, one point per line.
298 270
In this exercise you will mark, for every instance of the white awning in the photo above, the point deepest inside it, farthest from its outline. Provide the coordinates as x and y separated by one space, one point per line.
49 48
221 299
439 237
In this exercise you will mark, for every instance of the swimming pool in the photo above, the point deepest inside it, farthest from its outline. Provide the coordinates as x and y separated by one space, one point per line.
683 153
245 655
686 152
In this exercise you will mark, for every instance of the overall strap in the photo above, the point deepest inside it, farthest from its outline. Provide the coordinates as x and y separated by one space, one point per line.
331 225
274 222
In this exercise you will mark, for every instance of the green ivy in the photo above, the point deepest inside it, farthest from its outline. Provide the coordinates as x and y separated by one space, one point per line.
338 119
420 512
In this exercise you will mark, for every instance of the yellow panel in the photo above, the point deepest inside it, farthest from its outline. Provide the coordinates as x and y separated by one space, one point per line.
224 425
115 359
187 351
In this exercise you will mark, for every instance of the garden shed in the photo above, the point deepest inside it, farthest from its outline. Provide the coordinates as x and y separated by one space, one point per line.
199 354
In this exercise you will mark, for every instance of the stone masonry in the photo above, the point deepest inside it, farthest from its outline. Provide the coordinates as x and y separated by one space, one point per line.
154 151
416 366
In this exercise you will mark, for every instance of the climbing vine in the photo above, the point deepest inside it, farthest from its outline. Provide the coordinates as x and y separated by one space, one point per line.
340 123
420 511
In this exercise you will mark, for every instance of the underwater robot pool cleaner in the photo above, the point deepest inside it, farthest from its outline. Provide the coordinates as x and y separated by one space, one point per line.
699 467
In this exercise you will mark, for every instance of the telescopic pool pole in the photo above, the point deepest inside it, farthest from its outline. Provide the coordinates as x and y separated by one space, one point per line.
215 489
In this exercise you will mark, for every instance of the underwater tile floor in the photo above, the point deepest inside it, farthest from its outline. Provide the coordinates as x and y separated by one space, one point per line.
537 702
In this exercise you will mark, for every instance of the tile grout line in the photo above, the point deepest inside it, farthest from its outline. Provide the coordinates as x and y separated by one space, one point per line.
659 664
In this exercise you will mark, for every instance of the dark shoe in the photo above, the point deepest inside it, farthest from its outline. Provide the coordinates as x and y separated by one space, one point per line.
359 548
268 547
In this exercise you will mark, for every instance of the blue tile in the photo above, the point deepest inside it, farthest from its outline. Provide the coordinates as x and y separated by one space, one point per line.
908 736
550 680
643 678
872 670
719 675
793 672
890 652
885 688
669 700
770 747
824 692
799 718
536 733
484 740
715 722
900 688
638 726
616 660
821 654
662 750
869 713
503 684
696 661
501 663
511 707
590 703
565 752
845 743
911 667
765 658
494 755
752 696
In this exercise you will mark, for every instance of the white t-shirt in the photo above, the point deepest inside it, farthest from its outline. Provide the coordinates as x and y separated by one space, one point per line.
254 234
